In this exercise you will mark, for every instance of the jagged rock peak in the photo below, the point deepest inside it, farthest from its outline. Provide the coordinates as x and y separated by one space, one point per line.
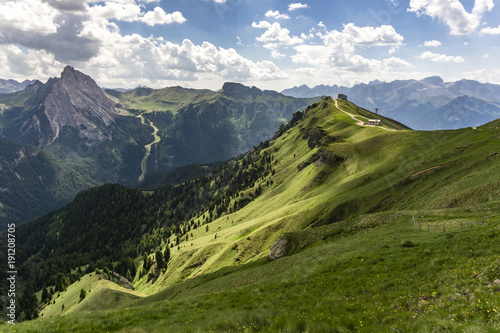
238 90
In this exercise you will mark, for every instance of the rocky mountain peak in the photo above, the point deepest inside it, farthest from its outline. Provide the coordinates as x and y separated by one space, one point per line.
74 102
238 90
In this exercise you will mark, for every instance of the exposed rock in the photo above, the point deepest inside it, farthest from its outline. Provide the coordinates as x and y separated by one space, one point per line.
120 280
314 137
279 248
75 102
325 156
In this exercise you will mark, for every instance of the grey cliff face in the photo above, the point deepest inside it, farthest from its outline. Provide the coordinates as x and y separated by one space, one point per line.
74 101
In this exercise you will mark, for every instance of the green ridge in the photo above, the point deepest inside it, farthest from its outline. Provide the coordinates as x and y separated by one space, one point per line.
350 200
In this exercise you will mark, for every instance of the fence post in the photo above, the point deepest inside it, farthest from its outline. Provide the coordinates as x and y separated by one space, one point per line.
428 228
444 230
461 225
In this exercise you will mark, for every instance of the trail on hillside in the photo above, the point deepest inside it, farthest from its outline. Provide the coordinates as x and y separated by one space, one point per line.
359 122
144 162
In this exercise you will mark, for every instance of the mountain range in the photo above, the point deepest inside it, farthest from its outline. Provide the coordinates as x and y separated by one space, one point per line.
427 104
332 225
88 136
10 86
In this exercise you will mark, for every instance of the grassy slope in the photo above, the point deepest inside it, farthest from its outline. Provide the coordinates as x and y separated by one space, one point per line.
167 99
355 276
101 294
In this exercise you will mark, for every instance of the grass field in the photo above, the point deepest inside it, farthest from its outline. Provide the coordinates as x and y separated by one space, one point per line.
357 260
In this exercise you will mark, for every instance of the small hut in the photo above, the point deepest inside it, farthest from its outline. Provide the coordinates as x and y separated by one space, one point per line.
342 97
375 122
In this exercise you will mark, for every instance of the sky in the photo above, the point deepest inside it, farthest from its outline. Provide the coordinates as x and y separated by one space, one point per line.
271 44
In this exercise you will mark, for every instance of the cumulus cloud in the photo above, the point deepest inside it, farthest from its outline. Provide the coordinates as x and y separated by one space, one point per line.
20 65
275 36
276 15
371 36
158 16
261 24
453 13
67 5
298 5
491 31
339 48
432 43
132 12
276 55
26 16
436 57
66 43
39 39
397 62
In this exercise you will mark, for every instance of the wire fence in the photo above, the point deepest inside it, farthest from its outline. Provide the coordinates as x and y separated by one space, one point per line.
441 227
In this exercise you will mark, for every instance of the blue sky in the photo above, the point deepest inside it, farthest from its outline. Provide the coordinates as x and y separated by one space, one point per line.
267 43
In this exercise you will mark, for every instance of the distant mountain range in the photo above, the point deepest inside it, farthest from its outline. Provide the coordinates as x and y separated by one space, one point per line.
10 86
427 104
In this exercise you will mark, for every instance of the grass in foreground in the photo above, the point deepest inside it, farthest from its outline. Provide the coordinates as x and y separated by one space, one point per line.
389 276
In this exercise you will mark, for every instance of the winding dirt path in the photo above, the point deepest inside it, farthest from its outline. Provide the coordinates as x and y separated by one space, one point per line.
359 122
144 162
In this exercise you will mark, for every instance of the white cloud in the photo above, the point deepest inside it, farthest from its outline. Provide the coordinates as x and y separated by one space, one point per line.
491 31
90 41
436 57
486 56
397 62
275 36
371 36
132 12
276 15
339 49
28 16
128 12
33 64
298 5
158 16
315 55
453 13
261 25
276 55
432 43
392 50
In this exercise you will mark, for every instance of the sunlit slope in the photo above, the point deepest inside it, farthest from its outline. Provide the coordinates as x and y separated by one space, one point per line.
166 99
344 195
370 170
100 293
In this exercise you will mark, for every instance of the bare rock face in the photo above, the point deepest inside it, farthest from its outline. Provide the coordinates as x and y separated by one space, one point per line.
73 102
279 248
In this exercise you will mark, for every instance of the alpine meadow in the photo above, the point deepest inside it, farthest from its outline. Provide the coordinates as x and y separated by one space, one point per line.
198 166
368 228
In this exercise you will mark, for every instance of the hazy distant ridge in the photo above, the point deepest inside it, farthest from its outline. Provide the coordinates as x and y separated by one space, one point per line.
426 104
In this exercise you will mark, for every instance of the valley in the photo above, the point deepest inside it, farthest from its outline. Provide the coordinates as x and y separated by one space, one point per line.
368 229
157 139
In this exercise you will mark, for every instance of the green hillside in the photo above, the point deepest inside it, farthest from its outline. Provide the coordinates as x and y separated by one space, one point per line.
381 230
166 99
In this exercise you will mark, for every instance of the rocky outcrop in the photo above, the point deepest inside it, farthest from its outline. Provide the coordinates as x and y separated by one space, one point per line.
280 248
